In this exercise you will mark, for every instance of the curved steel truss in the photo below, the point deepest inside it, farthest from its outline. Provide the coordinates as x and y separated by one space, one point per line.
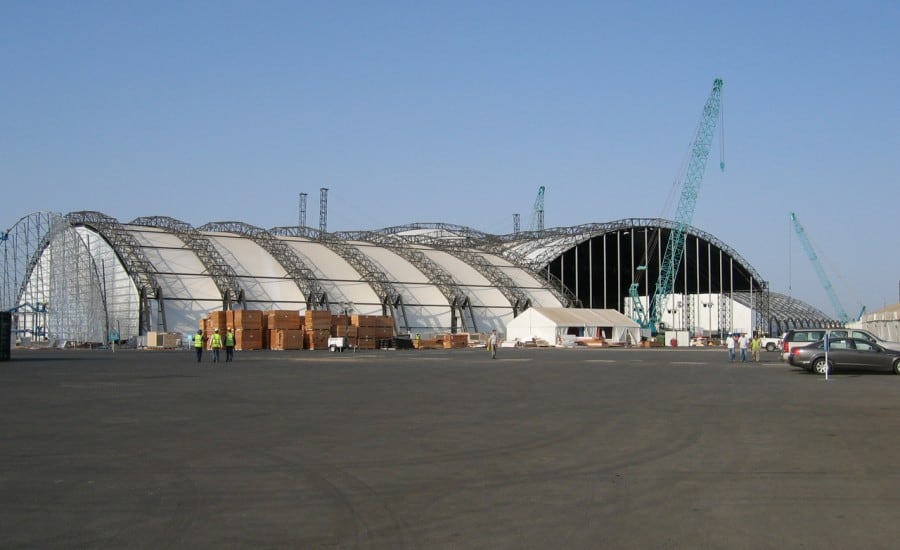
222 274
303 276
391 299
458 300
131 255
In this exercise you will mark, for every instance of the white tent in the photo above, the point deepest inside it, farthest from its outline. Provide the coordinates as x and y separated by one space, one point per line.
884 323
557 326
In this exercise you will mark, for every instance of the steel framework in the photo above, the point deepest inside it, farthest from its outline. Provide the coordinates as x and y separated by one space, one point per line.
129 252
391 299
297 269
222 274
458 300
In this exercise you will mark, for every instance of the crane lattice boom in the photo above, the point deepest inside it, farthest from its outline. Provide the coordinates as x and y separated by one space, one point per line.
685 213
820 271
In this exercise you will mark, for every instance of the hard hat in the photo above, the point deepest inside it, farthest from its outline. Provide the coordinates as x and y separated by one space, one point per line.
217 330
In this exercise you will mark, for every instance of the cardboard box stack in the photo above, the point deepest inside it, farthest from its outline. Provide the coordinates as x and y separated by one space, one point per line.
284 329
317 329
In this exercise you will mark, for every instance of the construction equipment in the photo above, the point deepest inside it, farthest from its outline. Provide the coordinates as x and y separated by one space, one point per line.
648 318
820 271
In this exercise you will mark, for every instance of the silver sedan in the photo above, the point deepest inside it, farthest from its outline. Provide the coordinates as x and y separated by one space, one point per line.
845 353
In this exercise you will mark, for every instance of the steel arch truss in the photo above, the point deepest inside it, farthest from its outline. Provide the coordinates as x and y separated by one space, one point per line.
460 241
391 299
130 253
436 274
302 275
222 274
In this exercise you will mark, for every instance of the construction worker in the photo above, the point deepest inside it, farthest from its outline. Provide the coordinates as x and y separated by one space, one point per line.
215 344
198 344
229 345
493 342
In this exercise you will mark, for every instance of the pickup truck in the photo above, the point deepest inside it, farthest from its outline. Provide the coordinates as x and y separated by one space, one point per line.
771 344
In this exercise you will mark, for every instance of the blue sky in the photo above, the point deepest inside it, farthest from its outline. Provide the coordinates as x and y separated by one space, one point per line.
459 111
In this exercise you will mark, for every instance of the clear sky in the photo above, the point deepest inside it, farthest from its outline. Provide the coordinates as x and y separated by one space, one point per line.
458 111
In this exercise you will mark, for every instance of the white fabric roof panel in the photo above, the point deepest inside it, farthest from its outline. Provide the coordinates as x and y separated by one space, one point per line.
337 277
246 257
189 292
397 268
572 317
461 272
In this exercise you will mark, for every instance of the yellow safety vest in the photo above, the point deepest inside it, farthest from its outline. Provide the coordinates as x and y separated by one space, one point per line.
216 340
229 339
198 340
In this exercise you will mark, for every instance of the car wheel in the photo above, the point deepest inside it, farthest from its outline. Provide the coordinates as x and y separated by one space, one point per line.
770 347
331 349
819 366
897 366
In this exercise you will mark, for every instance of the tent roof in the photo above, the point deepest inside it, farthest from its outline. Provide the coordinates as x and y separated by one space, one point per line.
571 317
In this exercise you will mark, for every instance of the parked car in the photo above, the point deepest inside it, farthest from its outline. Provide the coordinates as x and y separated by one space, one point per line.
845 353
805 336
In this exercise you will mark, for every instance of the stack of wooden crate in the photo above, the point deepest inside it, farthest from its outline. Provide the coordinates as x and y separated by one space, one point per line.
248 329
317 329
371 329
247 325
456 340
285 329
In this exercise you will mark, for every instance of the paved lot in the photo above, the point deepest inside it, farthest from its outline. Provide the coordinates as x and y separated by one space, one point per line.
444 449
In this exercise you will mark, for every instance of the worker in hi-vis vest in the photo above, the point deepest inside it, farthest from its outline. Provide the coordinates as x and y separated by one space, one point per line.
229 345
215 344
198 344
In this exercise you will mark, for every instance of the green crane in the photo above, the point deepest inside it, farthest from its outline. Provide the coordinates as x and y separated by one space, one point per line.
843 317
649 318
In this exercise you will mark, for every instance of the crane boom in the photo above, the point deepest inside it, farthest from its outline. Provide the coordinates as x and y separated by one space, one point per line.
684 214
820 271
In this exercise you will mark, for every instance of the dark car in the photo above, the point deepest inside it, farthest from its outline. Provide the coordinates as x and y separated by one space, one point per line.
845 353
805 336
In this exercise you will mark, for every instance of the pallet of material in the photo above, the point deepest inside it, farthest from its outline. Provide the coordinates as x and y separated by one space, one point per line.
345 330
251 319
429 343
247 339
365 342
456 341
283 319
316 338
163 340
285 339
217 320
318 320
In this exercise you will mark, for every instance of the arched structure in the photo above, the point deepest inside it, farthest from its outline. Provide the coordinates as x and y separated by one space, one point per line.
158 273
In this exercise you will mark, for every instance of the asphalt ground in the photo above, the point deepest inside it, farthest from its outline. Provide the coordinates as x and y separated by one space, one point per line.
540 448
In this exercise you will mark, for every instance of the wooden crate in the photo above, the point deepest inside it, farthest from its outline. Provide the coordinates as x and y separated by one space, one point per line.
217 320
317 320
456 341
251 319
247 339
287 319
316 339
285 339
